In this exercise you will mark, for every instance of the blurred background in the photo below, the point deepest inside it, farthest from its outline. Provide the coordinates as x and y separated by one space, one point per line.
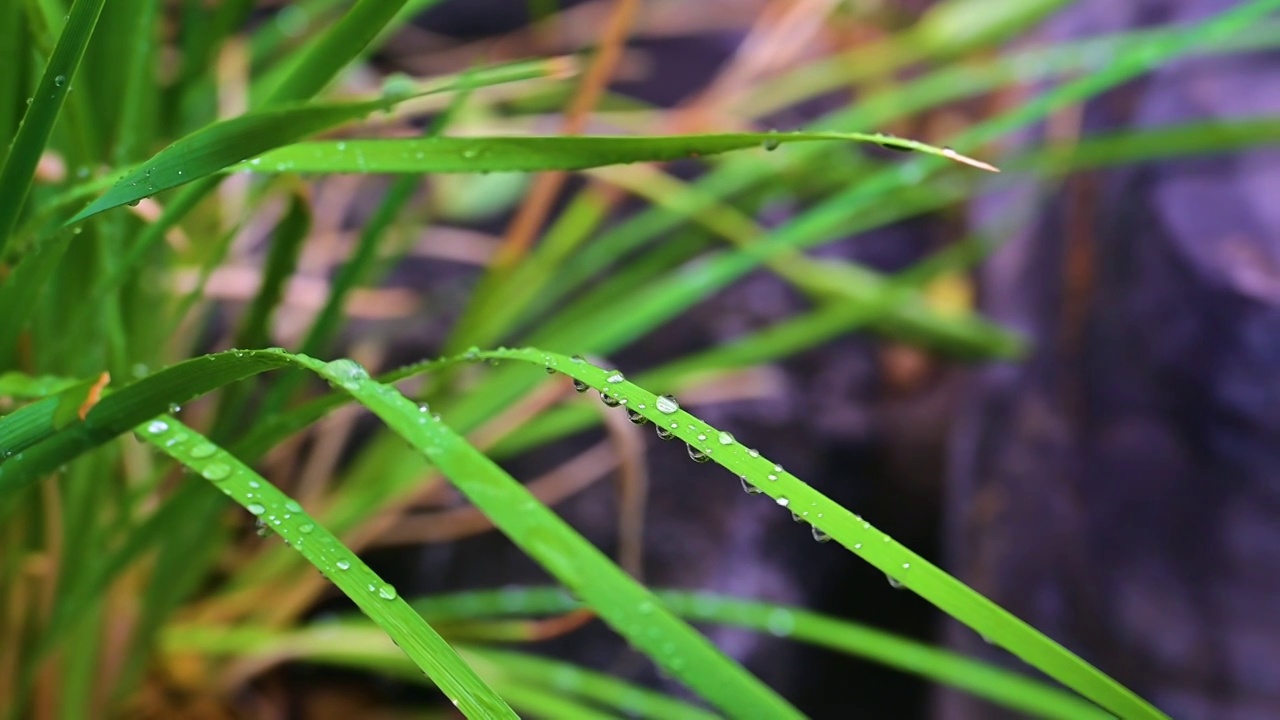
1118 485
1077 413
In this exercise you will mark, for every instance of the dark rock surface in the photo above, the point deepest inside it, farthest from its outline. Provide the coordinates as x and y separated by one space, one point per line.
1121 489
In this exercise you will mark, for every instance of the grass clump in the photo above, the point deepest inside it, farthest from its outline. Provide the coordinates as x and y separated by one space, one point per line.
133 187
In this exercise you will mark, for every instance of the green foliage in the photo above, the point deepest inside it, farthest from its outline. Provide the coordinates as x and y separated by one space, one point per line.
168 179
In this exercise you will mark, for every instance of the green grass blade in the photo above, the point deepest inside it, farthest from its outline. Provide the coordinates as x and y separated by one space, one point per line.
27 289
32 424
37 123
831 520
13 85
282 260
319 62
566 678
979 679
620 601
216 146
530 154
377 599
222 144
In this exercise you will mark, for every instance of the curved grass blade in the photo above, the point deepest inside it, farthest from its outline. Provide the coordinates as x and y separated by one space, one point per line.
979 679
120 411
222 144
377 599
347 644
530 154
619 600
567 678
831 521
320 60
37 124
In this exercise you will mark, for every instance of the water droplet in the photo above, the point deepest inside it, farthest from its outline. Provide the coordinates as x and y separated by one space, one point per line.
576 358
753 452
60 80
215 471
894 582
292 506
157 427
609 400
636 417
780 623
579 385
697 455
663 433
387 592
747 487
772 477
895 148
616 377
550 370
772 143
667 404
819 535
347 373
203 450
725 438
343 565
783 501
795 517
256 508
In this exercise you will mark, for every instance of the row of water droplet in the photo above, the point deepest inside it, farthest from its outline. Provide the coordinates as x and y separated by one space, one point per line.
213 465
668 405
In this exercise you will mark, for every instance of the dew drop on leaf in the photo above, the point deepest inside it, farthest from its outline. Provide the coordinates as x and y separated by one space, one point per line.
667 404
215 471
747 487
697 455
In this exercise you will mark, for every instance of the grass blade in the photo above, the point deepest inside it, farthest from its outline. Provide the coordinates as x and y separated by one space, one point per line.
620 601
530 154
319 62
37 124
377 599
832 521
979 679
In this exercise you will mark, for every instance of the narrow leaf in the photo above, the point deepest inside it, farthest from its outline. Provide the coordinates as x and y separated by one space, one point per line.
531 154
